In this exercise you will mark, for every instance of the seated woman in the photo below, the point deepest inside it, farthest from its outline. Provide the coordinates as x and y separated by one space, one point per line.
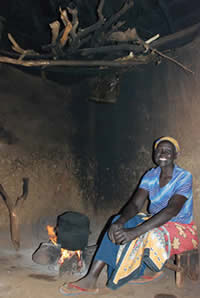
135 240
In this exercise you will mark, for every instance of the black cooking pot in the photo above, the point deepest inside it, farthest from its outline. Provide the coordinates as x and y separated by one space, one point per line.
73 230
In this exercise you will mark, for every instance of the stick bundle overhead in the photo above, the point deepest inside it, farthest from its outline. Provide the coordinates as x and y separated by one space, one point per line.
105 43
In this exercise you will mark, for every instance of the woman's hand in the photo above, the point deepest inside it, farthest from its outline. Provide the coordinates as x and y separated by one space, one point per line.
123 236
113 229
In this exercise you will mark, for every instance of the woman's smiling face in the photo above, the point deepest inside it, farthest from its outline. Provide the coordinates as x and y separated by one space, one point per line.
165 154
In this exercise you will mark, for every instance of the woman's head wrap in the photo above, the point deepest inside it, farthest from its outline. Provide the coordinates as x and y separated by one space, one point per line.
169 139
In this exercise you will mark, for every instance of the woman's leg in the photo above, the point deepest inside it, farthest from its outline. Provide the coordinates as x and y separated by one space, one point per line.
107 251
106 254
90 280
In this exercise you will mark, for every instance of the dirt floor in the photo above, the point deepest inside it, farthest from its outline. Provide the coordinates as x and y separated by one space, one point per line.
20 277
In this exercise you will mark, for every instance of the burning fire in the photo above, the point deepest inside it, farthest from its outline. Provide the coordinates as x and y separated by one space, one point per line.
65 254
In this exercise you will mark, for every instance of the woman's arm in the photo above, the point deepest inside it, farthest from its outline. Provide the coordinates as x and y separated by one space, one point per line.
134 206
175 204
130 210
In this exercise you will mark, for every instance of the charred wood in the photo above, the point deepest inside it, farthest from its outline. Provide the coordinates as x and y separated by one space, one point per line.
128 4
73 33
102 44
123 48
123 36
112 20
115 28
100 9
84 32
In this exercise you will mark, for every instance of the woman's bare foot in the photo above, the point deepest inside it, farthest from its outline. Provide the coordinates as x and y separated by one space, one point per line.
87 282
90 280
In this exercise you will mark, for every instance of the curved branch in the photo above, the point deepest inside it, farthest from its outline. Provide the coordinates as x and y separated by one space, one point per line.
112 20
128 4
75 21
100 9
68 28
84 32
14 209
75 41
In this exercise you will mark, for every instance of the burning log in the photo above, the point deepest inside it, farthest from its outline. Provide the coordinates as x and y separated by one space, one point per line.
14 212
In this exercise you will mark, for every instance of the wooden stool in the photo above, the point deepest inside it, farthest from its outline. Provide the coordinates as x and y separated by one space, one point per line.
185 264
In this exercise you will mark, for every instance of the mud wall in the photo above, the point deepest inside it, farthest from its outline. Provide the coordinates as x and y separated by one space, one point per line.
35 132
89 157
155 100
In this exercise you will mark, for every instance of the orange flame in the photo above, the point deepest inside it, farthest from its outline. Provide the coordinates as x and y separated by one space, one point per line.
52 235
65 253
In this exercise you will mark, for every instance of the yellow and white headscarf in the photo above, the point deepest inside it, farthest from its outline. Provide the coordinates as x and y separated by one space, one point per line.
169 139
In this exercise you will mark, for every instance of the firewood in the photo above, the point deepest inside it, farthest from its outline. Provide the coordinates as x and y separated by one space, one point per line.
55 28
112 20
18 49
84 32
68 27
123 36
